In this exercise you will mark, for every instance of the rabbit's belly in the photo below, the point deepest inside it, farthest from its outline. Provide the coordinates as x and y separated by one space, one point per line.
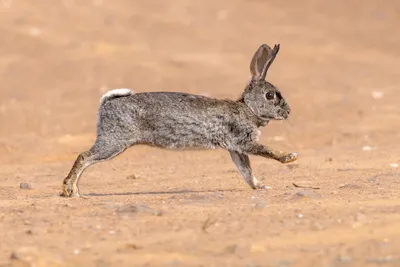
181 138
177 146
183 142
177 131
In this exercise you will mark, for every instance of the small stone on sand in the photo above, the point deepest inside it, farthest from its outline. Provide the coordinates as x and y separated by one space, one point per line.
25 186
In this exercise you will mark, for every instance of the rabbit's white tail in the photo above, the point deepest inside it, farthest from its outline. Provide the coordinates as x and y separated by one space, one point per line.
115 93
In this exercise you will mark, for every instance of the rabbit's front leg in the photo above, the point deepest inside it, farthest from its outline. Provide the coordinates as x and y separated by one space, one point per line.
242 162
264 151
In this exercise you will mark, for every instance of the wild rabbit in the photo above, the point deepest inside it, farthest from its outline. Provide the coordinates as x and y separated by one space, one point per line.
176 120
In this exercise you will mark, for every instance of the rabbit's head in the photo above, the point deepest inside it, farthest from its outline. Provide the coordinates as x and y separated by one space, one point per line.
263 98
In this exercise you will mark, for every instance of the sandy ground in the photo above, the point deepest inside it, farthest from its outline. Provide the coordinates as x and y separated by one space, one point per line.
151 207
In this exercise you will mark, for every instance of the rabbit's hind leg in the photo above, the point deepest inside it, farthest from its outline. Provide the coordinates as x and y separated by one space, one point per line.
242 162
101 151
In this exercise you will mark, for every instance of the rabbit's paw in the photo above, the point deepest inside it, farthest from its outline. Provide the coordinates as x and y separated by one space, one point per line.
289 157
263 187
255 184
70 191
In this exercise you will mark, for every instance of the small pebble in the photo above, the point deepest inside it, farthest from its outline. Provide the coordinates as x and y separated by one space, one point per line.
111 232
25 186
77 251
132 246
132 176
157 213
300 215
128 248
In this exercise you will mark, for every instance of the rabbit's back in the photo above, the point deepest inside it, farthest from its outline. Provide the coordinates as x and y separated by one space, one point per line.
176 120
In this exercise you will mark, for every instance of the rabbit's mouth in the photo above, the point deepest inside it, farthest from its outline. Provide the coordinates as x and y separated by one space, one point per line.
268 118
274 117
283 115
279 118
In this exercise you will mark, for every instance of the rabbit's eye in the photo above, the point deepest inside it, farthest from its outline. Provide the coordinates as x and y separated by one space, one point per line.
270 95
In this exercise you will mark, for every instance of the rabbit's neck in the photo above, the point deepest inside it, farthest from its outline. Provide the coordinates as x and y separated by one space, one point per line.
259 122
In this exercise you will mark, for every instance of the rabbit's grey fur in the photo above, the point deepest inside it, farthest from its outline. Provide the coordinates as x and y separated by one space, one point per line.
175 120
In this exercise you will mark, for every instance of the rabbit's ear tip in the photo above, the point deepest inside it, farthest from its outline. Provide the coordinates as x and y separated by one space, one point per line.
276 48
265 46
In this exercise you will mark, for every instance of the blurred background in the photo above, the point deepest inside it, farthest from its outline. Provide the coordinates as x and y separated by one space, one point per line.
338 66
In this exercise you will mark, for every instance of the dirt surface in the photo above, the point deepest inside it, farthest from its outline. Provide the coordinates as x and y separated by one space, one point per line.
338 68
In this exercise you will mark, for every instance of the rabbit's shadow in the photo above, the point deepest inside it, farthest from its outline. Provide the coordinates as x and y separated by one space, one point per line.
173 192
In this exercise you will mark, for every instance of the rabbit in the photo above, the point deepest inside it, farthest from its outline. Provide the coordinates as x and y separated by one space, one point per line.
175 120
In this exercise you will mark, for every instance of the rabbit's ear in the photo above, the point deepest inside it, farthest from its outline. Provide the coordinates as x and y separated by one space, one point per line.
262 60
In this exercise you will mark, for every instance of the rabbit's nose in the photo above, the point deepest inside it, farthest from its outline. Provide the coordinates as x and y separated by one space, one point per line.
288 110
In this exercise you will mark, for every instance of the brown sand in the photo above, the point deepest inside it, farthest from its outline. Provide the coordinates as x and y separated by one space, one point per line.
192 208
